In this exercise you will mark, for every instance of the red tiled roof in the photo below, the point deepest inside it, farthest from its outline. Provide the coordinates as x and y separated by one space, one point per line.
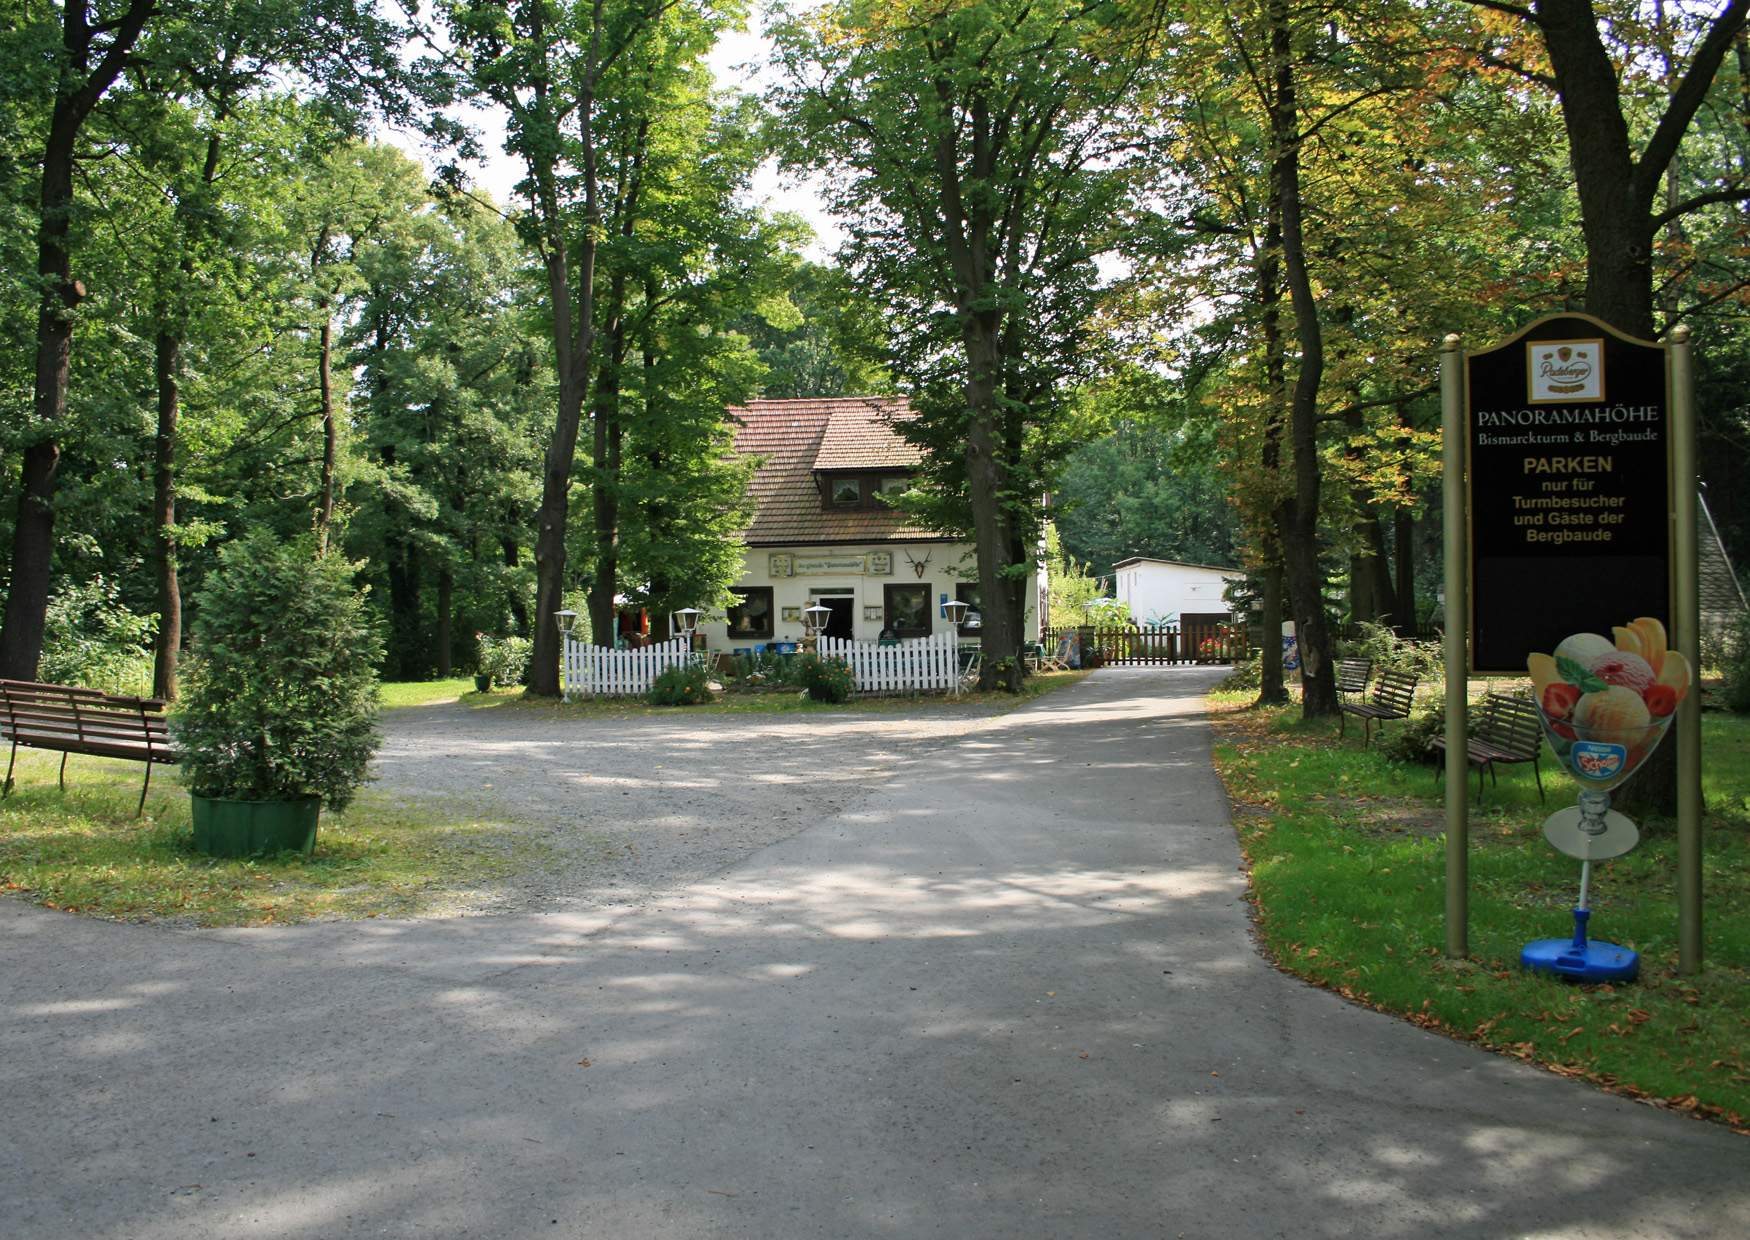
793 438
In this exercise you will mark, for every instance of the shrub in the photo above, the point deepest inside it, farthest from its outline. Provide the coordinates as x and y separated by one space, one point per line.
1736 666
1247 675
505 659
280 700
1391 653
827 680
1411 740
90 639
688 685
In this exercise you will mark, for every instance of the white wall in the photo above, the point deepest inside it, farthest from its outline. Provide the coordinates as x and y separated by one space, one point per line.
1158 593
948 565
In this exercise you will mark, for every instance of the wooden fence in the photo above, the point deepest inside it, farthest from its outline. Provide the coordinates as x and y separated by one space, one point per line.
927 664
1160 645
596 671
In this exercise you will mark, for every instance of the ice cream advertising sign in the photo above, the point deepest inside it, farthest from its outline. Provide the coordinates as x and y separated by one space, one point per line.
1568 424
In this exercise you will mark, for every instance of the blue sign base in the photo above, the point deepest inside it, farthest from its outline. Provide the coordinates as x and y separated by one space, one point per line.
1583 962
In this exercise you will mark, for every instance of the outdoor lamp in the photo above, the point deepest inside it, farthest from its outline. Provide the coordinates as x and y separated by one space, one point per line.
685 621
955 610
815 618
567 621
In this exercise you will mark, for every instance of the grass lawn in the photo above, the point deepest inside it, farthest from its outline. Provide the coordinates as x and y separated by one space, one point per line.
1347 858
84 851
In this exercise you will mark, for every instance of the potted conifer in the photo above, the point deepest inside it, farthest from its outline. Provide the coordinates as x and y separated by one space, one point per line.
279 711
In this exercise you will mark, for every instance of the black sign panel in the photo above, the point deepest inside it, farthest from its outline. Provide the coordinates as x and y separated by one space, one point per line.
1568 426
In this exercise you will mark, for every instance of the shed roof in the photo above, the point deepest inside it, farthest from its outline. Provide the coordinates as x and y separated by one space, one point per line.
794 438
1149 559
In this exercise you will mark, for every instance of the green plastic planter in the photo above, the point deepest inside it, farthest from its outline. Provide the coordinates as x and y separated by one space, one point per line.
482 684
227 828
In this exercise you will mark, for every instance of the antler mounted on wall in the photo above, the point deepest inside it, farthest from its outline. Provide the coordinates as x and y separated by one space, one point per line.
918 566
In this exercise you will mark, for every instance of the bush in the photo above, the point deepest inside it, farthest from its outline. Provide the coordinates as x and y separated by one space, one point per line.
1411 740
1736 666
688 685
505 659
827 680
90 639
1247 676
280 700
1391 653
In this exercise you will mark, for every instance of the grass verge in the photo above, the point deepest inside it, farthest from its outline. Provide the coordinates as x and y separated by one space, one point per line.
84 851
1347 858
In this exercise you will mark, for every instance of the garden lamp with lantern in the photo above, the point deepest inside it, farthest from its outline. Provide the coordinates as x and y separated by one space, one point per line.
955 610
684 622
815 618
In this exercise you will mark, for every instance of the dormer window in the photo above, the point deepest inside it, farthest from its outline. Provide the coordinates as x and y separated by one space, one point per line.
869 492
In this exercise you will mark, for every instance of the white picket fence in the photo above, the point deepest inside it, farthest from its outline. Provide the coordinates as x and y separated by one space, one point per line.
923 663
596 671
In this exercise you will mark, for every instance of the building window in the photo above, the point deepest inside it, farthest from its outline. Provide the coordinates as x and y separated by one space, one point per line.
967 592
752 616
908 609
871 492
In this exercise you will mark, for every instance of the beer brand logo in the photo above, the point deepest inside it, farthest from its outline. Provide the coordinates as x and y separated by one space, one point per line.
1563 370
1597 760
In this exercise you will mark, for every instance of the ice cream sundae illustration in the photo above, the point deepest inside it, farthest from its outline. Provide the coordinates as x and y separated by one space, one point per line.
1606 703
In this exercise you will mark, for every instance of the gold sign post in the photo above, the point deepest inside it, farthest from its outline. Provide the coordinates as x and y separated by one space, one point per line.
1686 601
1452 490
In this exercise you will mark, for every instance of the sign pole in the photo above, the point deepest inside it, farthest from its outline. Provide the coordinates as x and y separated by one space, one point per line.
1687 606
1452 431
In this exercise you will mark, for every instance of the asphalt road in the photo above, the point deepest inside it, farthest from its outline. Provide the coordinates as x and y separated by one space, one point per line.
1009 993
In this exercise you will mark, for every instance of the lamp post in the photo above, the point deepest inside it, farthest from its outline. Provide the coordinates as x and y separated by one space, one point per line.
815 617
956 611
567 622
684 623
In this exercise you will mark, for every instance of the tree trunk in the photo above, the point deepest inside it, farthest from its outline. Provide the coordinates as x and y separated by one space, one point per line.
1271 691
77 91
1404 560
999 638
519 611
609 447
445 608
330 435
1298 516
169 639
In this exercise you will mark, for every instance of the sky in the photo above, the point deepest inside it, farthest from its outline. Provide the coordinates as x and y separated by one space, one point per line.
739 60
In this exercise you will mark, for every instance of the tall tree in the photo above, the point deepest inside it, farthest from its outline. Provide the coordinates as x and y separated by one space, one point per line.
544 65
980 152
97 43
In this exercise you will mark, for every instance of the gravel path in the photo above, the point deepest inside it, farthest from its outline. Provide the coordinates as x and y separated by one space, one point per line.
623 808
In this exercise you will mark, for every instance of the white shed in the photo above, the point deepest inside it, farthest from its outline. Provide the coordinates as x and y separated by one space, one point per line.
1172 591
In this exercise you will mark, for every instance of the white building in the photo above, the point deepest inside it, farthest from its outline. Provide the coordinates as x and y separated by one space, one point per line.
1172 591
822 533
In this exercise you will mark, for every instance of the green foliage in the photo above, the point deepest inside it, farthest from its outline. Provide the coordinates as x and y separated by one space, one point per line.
686 685
1391 653
1412 739
505 659
827 680
1247 676
1075 595
1736 689
91 639
280 698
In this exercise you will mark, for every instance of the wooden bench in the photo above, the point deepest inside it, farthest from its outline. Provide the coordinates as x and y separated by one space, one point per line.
1352 678
72 720
1393 695
1508 732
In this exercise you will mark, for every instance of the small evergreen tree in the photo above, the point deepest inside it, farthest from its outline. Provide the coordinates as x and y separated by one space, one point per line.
281 693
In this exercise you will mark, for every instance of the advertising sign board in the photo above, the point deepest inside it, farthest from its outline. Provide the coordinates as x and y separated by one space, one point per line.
1568 429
